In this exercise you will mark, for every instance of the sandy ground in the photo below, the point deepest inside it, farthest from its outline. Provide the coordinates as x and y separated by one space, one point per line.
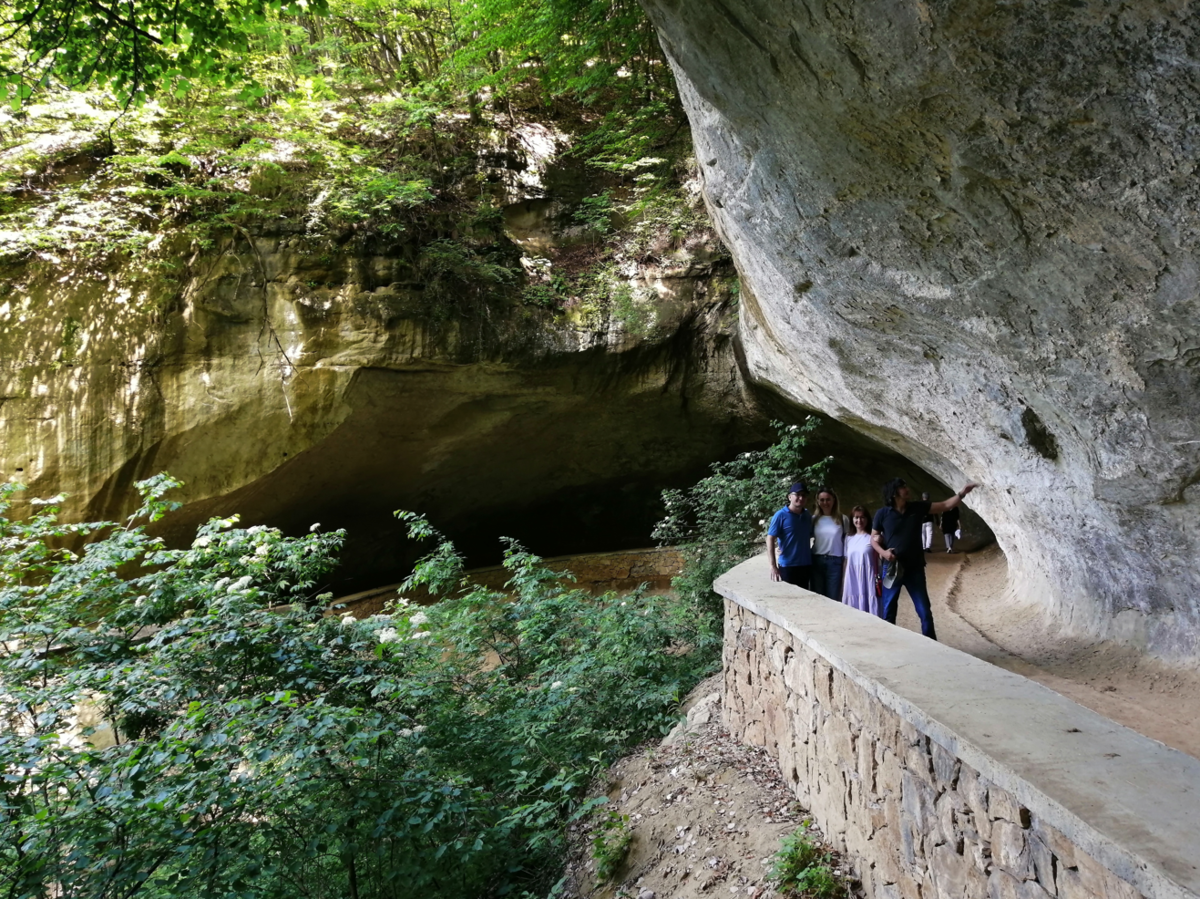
973 614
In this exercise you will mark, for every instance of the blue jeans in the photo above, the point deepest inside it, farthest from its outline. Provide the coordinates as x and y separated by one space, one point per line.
913 580
827 576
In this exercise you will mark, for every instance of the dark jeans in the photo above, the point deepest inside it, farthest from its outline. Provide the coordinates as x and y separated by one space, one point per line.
827 576
796 574
913 580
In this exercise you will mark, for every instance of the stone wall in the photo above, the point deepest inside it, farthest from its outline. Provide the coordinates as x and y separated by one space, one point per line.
943 777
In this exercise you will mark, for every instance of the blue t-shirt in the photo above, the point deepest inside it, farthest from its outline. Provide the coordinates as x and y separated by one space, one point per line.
793 536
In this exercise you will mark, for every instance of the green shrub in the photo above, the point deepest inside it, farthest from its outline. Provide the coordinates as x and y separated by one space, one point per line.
802 868
610 845
244 742
722 520
595 213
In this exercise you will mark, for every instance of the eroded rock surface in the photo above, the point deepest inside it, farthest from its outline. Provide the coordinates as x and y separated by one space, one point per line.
295 389
969 230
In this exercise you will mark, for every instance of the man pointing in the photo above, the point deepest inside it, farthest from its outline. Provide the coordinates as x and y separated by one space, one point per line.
896 536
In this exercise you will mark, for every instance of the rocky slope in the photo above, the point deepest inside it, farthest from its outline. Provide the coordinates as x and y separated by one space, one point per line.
969 230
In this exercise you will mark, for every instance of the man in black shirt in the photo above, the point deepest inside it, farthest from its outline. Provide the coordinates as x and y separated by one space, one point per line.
896 536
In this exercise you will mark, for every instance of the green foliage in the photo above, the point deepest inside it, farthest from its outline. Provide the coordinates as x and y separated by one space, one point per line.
133 47
192 722
587 48
596 212
802 868
547 296
722 520
636 318
610 844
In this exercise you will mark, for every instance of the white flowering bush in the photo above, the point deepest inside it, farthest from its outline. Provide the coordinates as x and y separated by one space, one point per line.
722 520
246 742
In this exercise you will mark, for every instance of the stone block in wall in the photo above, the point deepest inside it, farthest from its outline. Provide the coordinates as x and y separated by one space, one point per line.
945 767
910 887
910 735
793 676
1062 848
918 762
779 730
884 723
887 891
918 803
974 790
887 857
951 809
953 875
865 761
910 844
1096 879
803 713
890 774
747 637
1043 862
1010 849
1002 885
753 732
1002 805
823 682
858 831
979 852
777 653
836 743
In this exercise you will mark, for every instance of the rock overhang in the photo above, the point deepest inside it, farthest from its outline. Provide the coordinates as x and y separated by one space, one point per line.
969 229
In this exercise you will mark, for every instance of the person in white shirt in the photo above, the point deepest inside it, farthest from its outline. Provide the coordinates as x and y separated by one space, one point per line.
830 530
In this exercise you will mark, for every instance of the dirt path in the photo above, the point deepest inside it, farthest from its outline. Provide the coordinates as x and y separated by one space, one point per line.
974 614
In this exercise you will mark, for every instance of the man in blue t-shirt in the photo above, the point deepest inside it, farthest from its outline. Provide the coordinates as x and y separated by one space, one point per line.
789 539
896 536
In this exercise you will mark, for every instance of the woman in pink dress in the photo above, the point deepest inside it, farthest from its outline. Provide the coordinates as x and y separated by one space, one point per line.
862 565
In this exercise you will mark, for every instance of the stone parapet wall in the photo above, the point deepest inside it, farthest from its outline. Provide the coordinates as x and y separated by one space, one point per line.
943 777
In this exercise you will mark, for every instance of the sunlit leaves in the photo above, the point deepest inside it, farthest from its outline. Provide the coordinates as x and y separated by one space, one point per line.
134 47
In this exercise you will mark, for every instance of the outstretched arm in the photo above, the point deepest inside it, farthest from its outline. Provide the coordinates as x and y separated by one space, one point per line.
877 542
948 504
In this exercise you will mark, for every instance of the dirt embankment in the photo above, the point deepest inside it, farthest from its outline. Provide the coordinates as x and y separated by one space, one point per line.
706 814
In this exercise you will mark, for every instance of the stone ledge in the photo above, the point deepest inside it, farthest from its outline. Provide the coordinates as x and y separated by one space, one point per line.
1129 802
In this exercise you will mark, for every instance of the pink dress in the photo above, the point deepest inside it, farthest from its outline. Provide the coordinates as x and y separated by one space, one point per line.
862 564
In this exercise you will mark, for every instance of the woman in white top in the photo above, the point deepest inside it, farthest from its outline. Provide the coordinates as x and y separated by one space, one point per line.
830 530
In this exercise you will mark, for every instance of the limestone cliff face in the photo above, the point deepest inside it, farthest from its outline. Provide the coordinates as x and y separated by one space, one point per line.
970 231
295 386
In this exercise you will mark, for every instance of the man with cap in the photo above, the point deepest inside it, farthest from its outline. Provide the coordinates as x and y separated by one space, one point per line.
789 539
896 536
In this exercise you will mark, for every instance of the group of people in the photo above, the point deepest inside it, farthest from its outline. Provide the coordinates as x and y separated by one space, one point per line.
860 560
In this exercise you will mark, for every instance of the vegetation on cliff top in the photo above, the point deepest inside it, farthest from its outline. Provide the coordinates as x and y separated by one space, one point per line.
358 126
